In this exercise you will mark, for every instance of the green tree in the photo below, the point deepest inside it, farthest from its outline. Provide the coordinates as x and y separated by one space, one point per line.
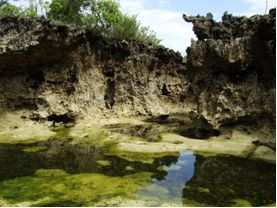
110 21
67 11
127 27
104 16
2 2
7 9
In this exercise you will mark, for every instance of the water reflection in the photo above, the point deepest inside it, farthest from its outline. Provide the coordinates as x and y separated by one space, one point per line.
174 181
215 181
24 160
231 181
189 178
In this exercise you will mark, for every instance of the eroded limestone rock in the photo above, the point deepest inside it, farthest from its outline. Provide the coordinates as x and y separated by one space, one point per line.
51 69
232 67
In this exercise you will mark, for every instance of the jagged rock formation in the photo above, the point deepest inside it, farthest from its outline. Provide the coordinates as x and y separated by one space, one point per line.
55 71
232 69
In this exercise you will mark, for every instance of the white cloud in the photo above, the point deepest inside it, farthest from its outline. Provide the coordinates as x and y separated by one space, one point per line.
21 3
164 2
169 26
132 6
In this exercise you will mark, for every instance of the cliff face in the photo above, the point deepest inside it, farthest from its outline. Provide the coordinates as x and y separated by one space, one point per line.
54 72
232 67
49 70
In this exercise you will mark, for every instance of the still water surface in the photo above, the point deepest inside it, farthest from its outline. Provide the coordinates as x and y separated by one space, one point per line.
60 173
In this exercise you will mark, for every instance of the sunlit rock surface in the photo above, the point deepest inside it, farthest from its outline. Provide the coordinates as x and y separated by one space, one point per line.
55 72
232 67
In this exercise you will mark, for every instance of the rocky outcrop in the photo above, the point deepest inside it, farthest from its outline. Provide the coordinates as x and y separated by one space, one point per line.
57 72
232 69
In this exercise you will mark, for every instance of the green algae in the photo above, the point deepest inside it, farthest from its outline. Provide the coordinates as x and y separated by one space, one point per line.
241 203
129 168
203 190
192 203
50 173
34 149
61 132
271 205
67 184
103 163
71 181
144 157
9 138
48 187
231 181
96 137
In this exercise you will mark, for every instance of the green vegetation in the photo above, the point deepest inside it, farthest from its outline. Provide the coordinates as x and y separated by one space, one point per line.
54 187
103 16
7 9
34 149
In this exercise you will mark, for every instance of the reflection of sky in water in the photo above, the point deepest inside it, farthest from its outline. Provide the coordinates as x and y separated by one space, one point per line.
177 176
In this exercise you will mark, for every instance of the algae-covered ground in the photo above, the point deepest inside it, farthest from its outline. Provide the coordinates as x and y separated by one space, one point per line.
132 163
50 187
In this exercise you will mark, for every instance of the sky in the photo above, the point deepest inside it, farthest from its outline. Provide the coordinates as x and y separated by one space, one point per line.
164 17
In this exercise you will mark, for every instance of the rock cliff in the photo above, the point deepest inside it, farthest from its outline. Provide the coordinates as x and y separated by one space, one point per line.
232 68
55 72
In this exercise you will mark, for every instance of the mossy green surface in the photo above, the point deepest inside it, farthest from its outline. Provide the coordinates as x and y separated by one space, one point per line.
132 156
55 187
103 163
203 190
6 138
241 203
69 148
34 149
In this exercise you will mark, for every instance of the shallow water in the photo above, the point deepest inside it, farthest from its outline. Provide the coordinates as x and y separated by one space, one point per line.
61 173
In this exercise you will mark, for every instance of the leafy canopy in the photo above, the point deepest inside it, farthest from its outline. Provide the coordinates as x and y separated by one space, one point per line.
104 16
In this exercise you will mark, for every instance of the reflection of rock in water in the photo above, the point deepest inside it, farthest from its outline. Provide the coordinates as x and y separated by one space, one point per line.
190 125
197 128
149 132
24 160
200 129
221 181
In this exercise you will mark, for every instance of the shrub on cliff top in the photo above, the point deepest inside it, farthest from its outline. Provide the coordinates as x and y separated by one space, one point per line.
7 9
104 16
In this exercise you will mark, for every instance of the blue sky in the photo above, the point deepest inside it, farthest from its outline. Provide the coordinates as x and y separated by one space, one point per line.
200 6
165 16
